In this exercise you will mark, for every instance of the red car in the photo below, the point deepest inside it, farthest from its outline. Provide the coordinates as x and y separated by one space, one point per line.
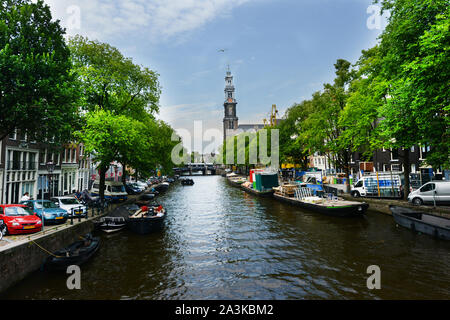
19 219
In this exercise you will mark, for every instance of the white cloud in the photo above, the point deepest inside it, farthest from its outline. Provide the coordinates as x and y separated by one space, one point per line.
158 20
182 118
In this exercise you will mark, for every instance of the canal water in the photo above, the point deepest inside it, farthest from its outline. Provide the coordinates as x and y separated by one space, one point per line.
222 243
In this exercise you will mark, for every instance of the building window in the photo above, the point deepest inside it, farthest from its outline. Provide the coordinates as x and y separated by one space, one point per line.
31 161
13 135
23 136
42 156
423 152
394 154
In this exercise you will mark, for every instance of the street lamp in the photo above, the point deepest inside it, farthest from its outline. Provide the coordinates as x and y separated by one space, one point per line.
50 168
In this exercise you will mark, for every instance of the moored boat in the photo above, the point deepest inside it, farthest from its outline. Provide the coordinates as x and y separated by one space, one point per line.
163 186
147 196
261 182
423 222
187 182
236 181
305 199
76 254
246 186
147 219
110 224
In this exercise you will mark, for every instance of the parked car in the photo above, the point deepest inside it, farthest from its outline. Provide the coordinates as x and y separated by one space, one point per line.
141 184
71 205
430 192
48 210
132 188
114 190
19 219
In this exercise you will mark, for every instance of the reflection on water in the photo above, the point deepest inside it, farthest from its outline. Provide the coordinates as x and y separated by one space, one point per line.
222 243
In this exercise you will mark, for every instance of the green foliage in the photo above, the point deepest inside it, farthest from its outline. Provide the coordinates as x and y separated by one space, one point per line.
414 50
108 136
361 112
112 82
321 130
292 149
249 148
119 99
37 87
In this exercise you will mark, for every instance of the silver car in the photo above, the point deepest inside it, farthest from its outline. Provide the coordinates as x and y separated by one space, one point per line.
71 205
431 192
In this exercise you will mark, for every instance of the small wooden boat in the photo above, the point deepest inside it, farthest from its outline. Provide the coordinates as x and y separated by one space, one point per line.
142 203
76 254
147 196
265 193
332 207
110 224
236 181
419 221
147 219
187 182
163 186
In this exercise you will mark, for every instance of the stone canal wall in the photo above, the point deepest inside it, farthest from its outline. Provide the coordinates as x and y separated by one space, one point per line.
382 205
21 258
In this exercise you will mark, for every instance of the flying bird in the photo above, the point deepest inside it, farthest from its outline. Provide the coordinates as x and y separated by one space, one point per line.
221 50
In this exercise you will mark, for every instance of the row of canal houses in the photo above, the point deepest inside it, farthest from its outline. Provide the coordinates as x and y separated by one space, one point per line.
385 160
24 168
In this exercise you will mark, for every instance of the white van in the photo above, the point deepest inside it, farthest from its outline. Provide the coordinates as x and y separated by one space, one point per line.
383 185
430 192
114 190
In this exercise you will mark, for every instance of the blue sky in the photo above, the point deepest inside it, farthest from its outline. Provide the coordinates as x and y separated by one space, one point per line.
279 51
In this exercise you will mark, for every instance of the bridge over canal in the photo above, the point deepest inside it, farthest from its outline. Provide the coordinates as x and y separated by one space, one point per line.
196 169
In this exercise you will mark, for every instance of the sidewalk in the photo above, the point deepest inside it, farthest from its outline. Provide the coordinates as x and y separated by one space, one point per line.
10 241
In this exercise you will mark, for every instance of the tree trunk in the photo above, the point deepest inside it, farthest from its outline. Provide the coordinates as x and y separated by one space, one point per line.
103 170
124 175
407 165
347 172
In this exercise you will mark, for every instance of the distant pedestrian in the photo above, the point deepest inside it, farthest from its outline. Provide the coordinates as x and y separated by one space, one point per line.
25 197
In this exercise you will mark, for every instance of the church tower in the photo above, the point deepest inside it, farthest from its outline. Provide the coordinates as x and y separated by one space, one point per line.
230 121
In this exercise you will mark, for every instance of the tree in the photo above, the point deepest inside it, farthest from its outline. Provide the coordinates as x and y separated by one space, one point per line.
37 88
108 137
414 53
322 130
291 147
360 116
112 82
114 87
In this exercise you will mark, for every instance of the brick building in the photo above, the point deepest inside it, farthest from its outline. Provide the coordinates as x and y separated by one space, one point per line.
23 168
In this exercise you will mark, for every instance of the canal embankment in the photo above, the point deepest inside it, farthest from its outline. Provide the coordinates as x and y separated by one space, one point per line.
24 254
382 205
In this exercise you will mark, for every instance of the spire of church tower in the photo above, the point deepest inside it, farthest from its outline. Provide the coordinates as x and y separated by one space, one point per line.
230 121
